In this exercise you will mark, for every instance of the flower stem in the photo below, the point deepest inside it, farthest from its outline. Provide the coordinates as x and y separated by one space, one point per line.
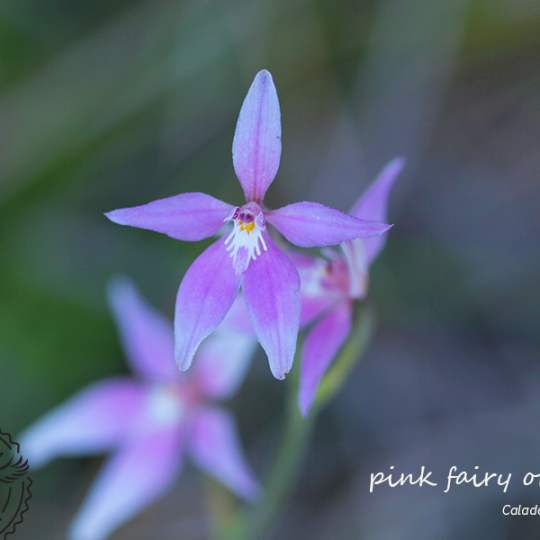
285 469
254 524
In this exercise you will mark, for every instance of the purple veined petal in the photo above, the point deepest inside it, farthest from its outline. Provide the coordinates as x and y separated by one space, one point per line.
222 362
215 447
309 224
320 347
188 216
373 205
133 478
146 335
272 293
257 140
206 294
92 421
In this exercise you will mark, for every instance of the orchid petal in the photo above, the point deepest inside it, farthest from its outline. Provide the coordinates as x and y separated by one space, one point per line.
188 216
215 447
131 480
320 347
92 421
222 362
272 293
257 140
146 335
373 205
204 297
309 224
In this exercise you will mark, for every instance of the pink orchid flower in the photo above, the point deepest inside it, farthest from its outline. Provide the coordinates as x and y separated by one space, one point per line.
329 287
247 257
149 423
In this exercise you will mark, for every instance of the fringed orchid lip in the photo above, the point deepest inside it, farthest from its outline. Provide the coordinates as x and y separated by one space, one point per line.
246 241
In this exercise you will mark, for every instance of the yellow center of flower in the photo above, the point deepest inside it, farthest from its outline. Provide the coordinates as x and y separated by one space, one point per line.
246 227
246 241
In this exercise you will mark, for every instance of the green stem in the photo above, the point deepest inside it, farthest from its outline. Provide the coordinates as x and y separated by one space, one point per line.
254 525
284 471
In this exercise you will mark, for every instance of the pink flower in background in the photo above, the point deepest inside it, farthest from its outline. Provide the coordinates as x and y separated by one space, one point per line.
247 257
330 285
149 422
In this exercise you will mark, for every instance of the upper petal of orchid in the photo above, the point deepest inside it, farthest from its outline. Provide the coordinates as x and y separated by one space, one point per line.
373 205
257 140
272 294
222 362
205 295
320 347
309 224
188 216
131 480
214 446
100 416
146 335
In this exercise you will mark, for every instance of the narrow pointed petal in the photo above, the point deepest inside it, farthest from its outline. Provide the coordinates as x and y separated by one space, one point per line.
309 224
188 216
137 475
204 298
222 362
257 140
373 205
146 335
92 421
215 447
320 348
272 293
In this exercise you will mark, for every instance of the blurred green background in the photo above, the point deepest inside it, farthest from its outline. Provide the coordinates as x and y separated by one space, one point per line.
107 104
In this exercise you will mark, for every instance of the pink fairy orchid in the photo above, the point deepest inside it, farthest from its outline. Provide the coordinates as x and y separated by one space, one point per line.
149 422
247 257
329 287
